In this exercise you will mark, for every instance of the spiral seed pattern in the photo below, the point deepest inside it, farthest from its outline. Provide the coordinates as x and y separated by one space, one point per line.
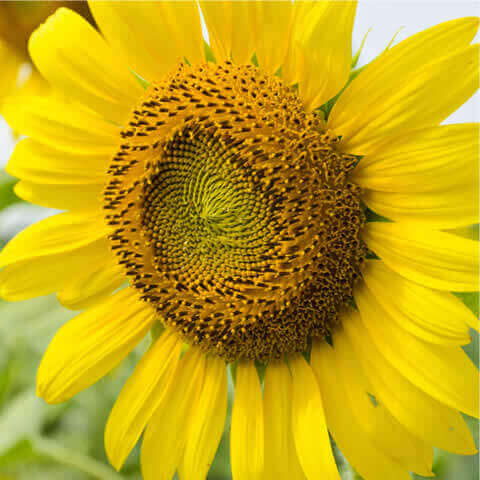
233 214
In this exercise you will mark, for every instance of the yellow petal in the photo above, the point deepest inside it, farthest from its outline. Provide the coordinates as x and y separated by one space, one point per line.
218 19
49 273
445 373
76 60
431 159
92 283
57 234
435 259
368 460
207 422
325 38
38 163
281 462
166 434
144 392
446 209
151 37
35 85
274 21
432 315
422 415
409 86
61 125
247 431
291 68
470 231
91 344
61 197
383 430
230 26
309 425
428 176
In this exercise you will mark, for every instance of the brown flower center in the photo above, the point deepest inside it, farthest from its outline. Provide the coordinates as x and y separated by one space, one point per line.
233 214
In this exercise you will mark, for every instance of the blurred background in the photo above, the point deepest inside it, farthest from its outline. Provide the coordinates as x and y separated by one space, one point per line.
65 442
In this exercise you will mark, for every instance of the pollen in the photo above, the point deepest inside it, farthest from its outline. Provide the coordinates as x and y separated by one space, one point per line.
232 212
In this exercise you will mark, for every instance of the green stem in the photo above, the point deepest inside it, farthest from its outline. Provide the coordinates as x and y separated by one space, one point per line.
74 459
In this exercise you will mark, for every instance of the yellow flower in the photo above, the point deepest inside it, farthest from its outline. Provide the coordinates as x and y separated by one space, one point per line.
223 207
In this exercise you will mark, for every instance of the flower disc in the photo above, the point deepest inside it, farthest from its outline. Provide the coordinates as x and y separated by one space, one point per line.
233 214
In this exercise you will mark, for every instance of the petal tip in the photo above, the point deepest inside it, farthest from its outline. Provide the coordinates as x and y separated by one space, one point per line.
113 447
48 23
42 391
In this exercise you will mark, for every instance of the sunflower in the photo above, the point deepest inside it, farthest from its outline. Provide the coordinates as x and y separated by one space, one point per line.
224 199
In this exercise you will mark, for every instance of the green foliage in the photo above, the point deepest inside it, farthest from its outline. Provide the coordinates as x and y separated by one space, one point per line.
7 195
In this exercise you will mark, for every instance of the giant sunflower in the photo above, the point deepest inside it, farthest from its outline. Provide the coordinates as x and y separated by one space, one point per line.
226 206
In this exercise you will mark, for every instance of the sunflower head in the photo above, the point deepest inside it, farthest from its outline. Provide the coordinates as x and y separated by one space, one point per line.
233 213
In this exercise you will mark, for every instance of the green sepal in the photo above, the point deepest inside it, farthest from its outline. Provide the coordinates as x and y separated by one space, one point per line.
233 371
471 300
209 56
372 216
261 369
144 83
359 51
